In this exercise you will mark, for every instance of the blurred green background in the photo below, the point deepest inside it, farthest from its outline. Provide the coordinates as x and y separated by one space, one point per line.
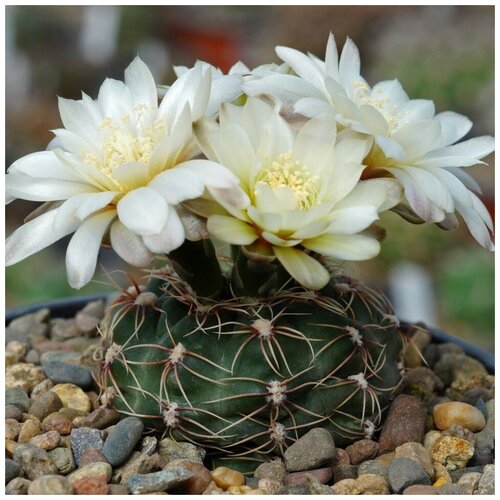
442 53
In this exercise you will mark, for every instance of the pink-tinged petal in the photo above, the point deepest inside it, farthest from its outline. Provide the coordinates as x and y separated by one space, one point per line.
83 248
141 84
477 226
30 188
195 227
231 230
171 236
34 236
143 211
129 246
344 246
302 267
178 184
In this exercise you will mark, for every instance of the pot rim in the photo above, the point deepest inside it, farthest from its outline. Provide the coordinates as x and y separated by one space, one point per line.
66 307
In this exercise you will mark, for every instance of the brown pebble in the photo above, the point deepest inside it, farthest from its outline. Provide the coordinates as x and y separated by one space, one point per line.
47 441
10 446
12 428
52 345
362 450
49 402
117 489
41 388
341 457
30 429
91 486
57 422
225 477
419 489
463 414
14 412
200 480
90 456
98 419
405 422
18 486
323 475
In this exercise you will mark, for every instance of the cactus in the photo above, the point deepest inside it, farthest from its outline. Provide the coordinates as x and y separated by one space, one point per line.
246 375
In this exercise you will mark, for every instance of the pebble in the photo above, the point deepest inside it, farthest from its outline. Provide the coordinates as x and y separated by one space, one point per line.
91 486
313 449
137 463
28 326
175 450
416 451
63 459
484 442
270 486
200 479
463 414
65 373
57 422
72 396
430 438
29 430
49 356
92 471
224 477
213 489
316 487
18 486
34 461
117 489
341 472
457 474
371 484
149 444
13 412
419 489
275 470
90 456
459 432
12 470
99 419
87 320
341 457
471 480
12 428
63 329
50 485
17 396
490 408
374 467
32 356
157 481
441 472
452 452
486 484
405 422
15 352
122 440
364 449
404 472
47 441
44 405
323 475
23 375
83 438
346 487
41 388
10 446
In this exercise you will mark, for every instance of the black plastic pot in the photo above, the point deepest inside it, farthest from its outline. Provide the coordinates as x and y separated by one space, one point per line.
66 308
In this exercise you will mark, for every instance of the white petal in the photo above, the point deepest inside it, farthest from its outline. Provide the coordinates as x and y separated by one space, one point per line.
178 184
143 211
77 118
195 227
476 226
417 138
277 241
40 189
265 220
467 180
350 64
94 202
231 230
302 267
69 141
141 84
390 90
34 236
390 148
170 237
344 247
133 174
129 246
81 255
478 148
352 220
301 64
379 193
453 126
310 107
373 120
114 99
226 88
332 58
416 109
345 177
310 230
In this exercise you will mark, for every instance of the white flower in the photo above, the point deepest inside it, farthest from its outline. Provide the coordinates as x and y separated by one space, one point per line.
411 143
121 164
303 188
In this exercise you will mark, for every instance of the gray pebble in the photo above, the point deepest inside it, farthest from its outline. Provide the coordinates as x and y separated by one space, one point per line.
486 484
64 460
295 489
490 408
14 412
62 373
32 356
149 445
28 326
172 450
453 489
84 438
404 472
62 329
34 461
50 485
312 450
376 467
344 471
481 406
18 486
62 356
484 442
122 440
12 470
458 473
47 403
17 396
158 481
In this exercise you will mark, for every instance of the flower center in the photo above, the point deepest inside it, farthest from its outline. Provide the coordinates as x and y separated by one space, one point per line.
285 172
123 143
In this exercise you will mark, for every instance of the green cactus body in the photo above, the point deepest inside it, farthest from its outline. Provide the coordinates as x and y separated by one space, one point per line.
247 377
